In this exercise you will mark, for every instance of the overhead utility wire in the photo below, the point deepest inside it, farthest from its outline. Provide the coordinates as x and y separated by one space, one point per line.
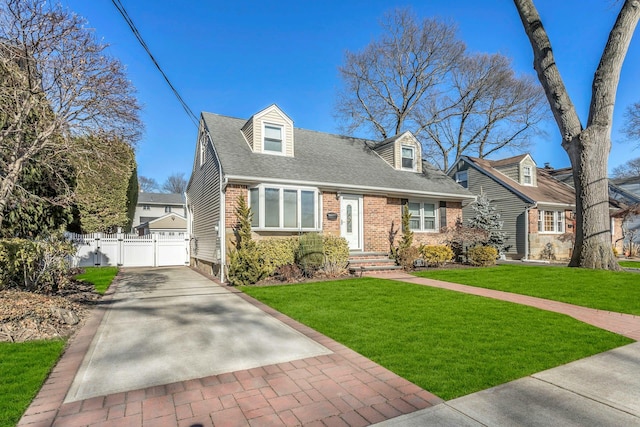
136 33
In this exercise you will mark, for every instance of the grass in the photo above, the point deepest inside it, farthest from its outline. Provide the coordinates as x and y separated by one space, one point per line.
603 290
449 343
629 264
100 277
23 369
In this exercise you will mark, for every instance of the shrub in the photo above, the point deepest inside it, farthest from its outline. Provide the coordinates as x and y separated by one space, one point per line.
310 253
407 256
288 273
36 265
436 254
277 252
336 254
245 267
483 256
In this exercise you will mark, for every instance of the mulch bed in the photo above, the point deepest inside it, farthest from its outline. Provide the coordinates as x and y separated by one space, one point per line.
27 316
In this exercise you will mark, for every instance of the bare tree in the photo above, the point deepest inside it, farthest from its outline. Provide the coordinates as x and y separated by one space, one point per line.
417 77
628 169
632 127
147 185
484 107
57 83
175 183
588 146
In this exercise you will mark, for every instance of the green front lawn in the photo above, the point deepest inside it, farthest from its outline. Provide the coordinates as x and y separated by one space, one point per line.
629 264
100 277
23 369
448 343
603 290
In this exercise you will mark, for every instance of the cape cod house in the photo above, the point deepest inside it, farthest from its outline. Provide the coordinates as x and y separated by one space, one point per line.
298 181
537 209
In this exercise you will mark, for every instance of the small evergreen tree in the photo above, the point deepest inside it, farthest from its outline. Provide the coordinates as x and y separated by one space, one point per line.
488 219
245 266
407 234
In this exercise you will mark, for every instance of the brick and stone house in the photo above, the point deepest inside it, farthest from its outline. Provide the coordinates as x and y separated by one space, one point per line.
538 210
298 181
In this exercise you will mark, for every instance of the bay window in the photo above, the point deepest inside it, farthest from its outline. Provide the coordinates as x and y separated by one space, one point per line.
423 216
277 207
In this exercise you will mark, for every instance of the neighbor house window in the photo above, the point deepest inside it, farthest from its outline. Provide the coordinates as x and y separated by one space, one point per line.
527 177
146 207
408 157
273 138
462 178
167 209
551 221
284 207
423 216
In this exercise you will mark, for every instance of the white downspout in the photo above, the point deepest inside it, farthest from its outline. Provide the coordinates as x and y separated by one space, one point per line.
526 230
222 229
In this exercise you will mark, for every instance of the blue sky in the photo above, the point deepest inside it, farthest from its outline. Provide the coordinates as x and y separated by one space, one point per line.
236 58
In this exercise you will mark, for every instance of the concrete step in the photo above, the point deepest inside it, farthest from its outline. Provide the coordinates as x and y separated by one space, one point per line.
373 269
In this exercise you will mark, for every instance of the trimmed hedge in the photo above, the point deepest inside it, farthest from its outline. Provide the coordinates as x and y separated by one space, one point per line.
483 256
277 252
436 255
336 254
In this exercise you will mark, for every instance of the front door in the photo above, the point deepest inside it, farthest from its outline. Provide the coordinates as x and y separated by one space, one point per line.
350 221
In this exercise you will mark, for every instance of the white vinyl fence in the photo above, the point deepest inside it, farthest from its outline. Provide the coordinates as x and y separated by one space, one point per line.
130 250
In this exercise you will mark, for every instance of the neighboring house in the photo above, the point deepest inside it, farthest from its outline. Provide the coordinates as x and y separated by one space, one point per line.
170 224
631 188
537 210
298 181
152 206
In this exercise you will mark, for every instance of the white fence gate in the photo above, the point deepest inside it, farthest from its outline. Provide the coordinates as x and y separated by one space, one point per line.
130 250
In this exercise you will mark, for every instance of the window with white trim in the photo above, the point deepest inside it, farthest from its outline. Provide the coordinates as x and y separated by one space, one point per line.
424 216
275 207
167 209
408 157
550 221
203 148
462 178
273 138
146 207
527 175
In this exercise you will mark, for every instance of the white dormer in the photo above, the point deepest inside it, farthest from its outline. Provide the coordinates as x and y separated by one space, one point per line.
270 132
402 152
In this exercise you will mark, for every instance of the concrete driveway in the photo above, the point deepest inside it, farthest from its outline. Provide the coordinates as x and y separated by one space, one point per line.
172 324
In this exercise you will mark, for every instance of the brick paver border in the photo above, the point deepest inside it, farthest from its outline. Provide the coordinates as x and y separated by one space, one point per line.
339 389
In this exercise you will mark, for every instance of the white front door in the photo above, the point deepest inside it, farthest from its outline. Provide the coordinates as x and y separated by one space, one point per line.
350 221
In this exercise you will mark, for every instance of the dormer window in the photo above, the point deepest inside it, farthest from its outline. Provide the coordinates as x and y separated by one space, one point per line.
272 138
527 176
462 178
408 157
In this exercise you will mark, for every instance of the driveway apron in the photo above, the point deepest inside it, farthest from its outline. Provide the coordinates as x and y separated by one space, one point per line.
169 325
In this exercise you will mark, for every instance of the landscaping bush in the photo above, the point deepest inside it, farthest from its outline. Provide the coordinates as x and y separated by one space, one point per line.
36 265
310 254
277 252
336 254
288 273
436 255
483 256
245 267
407 256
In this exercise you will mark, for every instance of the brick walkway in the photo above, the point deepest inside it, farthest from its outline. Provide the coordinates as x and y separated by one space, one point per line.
623 324
340 389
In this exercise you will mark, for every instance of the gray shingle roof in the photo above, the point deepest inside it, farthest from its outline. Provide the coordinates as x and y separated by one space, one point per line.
324 160
161 198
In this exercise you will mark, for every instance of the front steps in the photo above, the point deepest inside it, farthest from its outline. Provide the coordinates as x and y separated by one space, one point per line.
368 263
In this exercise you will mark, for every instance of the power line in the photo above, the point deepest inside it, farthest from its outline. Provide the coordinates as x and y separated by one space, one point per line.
136 33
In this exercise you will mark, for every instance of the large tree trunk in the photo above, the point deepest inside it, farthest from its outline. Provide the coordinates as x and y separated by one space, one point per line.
593 247
588 147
